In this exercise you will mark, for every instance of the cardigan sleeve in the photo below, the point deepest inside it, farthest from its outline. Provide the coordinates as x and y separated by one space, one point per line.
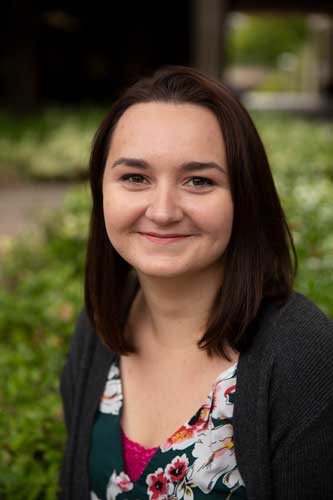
304 469
70 371
72 376
301 406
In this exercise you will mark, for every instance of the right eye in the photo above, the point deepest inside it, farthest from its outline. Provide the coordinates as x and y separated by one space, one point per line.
132 178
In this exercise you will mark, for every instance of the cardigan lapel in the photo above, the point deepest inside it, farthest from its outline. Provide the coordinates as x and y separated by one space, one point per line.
94 371
251 425
251 409
92 392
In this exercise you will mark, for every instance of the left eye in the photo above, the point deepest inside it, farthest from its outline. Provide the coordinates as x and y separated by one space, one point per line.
201 181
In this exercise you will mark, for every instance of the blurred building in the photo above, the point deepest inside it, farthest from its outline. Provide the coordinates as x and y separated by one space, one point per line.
75 51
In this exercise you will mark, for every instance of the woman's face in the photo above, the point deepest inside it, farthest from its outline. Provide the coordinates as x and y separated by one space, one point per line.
167 204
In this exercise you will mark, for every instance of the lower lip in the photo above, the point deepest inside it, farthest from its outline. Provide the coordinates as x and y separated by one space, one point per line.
163 241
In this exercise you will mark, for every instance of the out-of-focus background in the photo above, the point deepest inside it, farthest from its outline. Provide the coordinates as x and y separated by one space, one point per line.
62 65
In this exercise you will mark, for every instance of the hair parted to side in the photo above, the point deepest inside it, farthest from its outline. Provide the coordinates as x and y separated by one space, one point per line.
260 260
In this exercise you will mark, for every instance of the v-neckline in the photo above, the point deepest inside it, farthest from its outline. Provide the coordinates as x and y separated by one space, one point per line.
209 400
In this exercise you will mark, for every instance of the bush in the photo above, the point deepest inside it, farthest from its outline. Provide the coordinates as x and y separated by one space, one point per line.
301 154
53 144
42 291
40 297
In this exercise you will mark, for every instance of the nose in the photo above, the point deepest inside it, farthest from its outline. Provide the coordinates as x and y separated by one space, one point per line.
164 207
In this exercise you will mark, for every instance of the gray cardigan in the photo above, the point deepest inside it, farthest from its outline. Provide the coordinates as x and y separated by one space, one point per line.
283 412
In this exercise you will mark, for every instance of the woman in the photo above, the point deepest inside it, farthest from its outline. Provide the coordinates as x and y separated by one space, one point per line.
194 369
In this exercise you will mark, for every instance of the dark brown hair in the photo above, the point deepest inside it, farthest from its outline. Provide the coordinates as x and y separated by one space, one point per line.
257 262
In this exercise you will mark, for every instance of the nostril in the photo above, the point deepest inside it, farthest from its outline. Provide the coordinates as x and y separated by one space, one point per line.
164 212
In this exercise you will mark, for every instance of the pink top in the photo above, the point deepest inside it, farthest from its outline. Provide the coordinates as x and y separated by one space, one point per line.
136 457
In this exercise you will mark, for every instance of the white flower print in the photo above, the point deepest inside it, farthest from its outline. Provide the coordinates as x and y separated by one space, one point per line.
93 496
215 455
112 398
233 479
184 491
188 494
118 484
222 404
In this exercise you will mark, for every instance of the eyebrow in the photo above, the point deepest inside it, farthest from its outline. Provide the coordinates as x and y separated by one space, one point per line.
184 167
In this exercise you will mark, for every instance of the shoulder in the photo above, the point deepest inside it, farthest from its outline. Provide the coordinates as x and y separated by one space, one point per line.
300 310
83 329
285 383
83 341
300 375
292 353
299 344
299 328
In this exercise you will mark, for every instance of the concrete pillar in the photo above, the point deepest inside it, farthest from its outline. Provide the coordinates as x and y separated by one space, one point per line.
208 28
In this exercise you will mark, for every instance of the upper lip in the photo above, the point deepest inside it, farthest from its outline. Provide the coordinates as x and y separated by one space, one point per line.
159 235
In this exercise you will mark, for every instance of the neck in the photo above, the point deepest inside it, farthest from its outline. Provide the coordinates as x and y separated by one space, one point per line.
171 313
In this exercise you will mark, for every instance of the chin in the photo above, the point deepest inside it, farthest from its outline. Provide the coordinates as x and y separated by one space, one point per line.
166 271
160 273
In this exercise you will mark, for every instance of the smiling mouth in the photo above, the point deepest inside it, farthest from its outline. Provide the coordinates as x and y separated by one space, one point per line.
165 239
169 235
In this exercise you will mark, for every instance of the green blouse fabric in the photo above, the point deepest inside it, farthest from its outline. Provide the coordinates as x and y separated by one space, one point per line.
196 461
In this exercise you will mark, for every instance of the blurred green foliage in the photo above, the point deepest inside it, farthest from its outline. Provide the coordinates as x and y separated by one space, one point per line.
41 293
50 144
261 39
301 156
280 81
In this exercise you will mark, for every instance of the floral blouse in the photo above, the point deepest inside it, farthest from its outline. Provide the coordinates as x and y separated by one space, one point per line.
196 461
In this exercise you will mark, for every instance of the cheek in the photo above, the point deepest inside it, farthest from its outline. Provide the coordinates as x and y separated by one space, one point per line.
119 214
217 218
113 216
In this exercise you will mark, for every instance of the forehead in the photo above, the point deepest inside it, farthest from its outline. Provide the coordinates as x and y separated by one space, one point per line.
160 128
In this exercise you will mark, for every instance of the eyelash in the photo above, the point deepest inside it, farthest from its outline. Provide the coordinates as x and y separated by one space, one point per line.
208 182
